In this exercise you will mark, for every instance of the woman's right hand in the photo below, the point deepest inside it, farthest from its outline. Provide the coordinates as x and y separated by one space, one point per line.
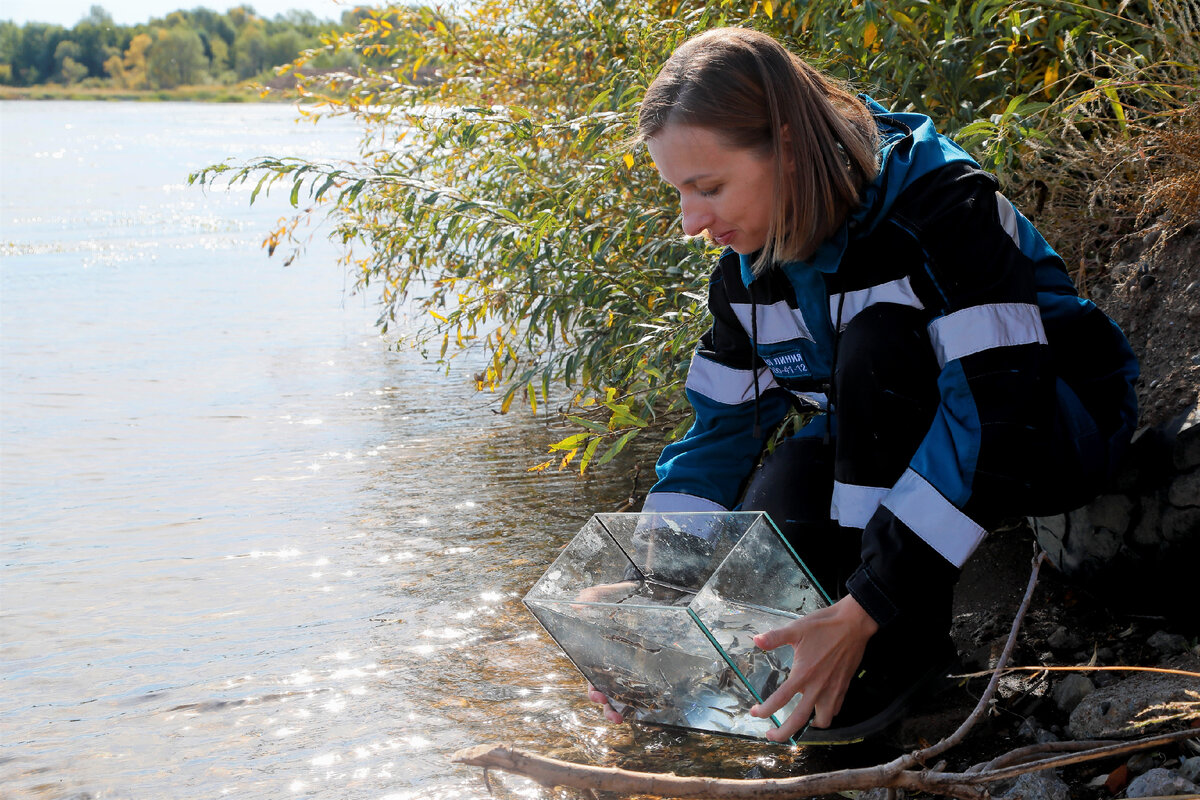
610 713
606 592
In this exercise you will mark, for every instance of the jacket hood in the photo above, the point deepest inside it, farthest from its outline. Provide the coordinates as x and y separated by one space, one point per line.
909 148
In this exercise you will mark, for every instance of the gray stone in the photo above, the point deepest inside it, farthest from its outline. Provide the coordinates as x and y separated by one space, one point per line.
1190 769
1064 639
1076 544
1114 513
879 794
1045 737
1044 785
1070 691
1181 524
1143 762
1050 533
1096 545
1167 643
1029 728
1187 442
1185 490
1160 782
1123 710
1148 531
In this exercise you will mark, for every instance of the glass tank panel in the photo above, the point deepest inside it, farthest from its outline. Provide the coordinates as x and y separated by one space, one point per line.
658 612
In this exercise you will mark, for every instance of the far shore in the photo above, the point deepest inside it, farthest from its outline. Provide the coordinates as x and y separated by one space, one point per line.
243 93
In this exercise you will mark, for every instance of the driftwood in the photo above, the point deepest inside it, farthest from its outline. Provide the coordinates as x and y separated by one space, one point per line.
906 772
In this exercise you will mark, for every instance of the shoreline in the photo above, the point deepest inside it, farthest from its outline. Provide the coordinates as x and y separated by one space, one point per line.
243 93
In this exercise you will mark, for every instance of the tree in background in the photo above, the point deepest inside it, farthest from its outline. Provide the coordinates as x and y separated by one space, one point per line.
236 45
130 70
176 58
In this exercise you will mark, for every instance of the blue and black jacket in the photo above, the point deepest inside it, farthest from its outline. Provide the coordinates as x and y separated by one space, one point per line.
1004 321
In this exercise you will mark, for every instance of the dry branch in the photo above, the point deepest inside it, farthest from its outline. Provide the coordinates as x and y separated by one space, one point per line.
905 772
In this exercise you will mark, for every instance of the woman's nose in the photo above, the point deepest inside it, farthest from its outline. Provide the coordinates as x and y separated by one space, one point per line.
696 217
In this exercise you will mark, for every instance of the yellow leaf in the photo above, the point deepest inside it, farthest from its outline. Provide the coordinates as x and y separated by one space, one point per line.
629 160
437 316
770 9
1051 73
541 466
870 34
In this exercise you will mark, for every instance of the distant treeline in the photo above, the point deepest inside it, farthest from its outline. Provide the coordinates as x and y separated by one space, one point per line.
183 48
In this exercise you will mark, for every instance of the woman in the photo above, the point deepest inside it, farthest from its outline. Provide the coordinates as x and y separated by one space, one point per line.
873 271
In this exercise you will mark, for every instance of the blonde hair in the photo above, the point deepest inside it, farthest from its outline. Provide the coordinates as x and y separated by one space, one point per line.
755 94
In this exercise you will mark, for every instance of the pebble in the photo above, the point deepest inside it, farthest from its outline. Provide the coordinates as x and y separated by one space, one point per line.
1190 769
1070 692
1144 762
1167 643
879 794
1029 729
1064 639
1117 711
1037 786
1046 737
1160 782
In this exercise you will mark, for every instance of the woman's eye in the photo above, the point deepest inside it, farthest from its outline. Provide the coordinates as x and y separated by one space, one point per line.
709 192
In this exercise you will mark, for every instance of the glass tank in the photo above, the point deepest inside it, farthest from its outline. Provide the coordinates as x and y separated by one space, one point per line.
658 611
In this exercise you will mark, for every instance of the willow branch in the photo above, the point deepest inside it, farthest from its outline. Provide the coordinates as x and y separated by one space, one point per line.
1023 755
968 785
553 772
1106 751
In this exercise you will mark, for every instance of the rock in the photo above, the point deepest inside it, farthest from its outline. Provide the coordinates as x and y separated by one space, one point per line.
1064 639
1112 513
1160 782
1148 532
1046 737
1167 643
1037 786
1029 728
1121 710
1181 524
1144 762
879 794
1185 490
1190 769
1070 691
1187 441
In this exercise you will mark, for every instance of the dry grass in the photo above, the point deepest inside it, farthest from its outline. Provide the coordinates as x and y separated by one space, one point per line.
1125 160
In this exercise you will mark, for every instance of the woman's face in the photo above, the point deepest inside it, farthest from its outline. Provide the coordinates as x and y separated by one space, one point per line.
725 191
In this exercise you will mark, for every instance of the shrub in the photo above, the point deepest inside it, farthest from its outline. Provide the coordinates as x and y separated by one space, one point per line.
496 206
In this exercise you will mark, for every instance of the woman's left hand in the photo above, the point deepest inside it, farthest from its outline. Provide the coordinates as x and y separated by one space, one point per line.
828 647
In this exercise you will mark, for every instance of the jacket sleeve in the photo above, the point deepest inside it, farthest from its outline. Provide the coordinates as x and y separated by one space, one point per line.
996 393
705 470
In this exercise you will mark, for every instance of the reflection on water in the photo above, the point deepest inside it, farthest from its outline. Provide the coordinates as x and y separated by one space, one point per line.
250 549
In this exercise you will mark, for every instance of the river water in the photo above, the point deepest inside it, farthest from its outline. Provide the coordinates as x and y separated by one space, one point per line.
251 548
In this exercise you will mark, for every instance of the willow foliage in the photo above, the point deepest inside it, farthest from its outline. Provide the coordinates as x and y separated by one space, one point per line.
496 201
